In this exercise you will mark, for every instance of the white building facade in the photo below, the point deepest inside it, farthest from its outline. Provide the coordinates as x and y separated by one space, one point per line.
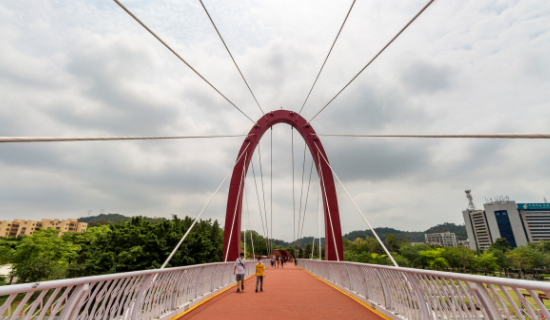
518 223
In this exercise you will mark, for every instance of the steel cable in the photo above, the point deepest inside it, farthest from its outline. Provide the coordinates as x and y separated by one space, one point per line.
302 188
263 193
331 47
305 206
226 48
197 218
68 139
260 206
376 56
182 60
357 207
454 136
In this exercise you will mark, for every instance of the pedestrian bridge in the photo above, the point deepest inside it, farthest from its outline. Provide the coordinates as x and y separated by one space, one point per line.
313 290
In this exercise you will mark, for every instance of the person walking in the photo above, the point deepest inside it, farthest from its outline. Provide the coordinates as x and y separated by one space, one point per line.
282 262
260 275
238 269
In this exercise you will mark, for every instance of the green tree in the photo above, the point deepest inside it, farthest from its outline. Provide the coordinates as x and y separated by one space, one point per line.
501 244
435 259
44 256
521 258
488 262
411 253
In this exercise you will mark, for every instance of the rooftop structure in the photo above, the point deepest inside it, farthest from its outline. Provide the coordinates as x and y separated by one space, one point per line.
444 239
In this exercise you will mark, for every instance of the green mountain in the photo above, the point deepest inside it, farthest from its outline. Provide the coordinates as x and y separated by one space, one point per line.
114 218
412 236
110 217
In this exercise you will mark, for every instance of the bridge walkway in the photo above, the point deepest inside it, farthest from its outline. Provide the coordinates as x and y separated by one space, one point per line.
289 293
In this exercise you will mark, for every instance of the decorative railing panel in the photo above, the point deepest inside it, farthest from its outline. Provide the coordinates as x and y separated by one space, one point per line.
404 293
149 294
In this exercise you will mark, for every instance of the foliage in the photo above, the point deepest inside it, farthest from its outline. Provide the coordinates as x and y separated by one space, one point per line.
434 258
411 236
501 244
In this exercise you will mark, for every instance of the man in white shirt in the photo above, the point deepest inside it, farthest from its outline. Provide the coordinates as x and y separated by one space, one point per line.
239 268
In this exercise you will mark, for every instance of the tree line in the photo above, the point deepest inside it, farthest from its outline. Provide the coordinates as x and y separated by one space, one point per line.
531 261
136 244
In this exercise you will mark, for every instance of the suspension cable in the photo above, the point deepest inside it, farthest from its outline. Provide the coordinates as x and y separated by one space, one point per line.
260 206
320 204
271 188
182 60
249 224
359 210
305 206
376 56
226 48
263 194
293 201
236 206
302 189
197 218
474 135
328 208
331 47
64 139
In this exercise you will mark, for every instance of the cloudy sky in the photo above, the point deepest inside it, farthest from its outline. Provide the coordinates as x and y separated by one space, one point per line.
85 68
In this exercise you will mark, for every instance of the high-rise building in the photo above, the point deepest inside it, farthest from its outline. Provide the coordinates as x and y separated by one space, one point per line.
444 239
20 227
518 223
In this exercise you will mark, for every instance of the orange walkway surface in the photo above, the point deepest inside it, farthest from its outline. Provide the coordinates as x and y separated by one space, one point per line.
289 293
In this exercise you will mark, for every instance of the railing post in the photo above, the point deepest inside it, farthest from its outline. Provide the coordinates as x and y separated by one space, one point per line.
422 303
175 291
349 276
387 296
486 302
136 311
197 283
72 304
213 278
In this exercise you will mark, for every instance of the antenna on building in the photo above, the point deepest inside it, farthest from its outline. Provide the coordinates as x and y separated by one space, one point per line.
471 206
545 201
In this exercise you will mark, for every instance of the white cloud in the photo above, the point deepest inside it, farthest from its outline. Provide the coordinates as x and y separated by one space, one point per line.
85 68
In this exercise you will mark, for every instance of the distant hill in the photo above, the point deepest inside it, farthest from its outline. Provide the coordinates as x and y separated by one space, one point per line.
109 217
412 236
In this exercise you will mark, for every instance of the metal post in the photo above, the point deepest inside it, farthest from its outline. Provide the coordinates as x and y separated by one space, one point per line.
136 312
72 304
198 281
385 288
422 303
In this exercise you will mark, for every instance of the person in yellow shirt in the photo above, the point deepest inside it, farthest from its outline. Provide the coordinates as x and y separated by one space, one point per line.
260 268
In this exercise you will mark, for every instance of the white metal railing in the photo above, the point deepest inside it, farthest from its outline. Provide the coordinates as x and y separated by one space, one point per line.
404 293
150 294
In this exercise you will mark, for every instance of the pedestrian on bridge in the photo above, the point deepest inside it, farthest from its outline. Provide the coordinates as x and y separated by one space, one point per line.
239 268
260 267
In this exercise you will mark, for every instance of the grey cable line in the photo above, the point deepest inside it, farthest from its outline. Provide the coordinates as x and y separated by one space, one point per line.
259 205
331 47
305 206
66 139
455 136
302 189
263 191
271 188
182 60
357 207
226 48
249 224
376 56
204 208
293 201
239 200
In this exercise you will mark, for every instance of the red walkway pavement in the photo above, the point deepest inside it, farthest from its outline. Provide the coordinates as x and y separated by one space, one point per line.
289 293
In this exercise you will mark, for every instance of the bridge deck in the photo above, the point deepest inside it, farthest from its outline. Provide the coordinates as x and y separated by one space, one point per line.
289 293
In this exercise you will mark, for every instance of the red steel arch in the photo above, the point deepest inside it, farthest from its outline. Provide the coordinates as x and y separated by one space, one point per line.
333 235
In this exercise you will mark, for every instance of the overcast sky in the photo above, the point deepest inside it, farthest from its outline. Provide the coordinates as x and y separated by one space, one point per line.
85 68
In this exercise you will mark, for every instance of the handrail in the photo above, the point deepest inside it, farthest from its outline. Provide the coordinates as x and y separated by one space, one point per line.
148 294
404 293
